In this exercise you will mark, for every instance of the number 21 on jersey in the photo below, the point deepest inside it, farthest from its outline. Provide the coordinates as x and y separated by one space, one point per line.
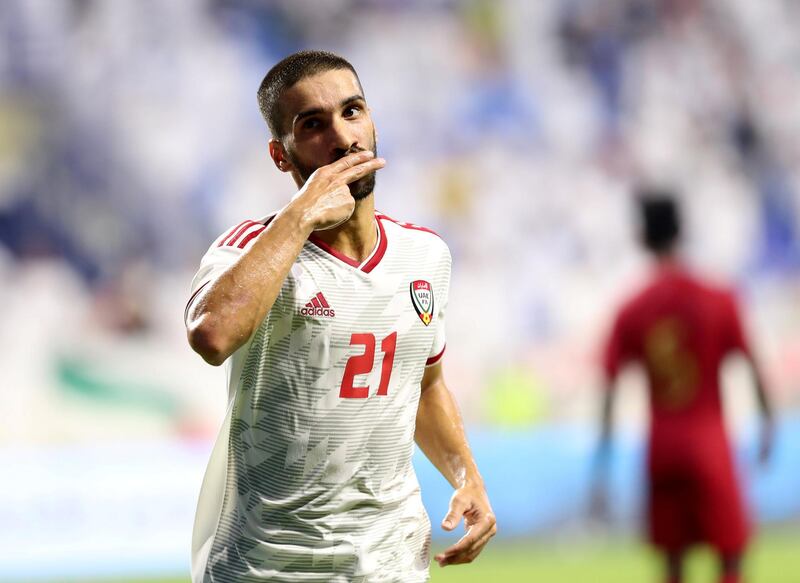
362 364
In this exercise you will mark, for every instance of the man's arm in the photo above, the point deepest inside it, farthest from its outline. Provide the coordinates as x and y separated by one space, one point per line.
440 435
765 409
739 343
227 311
616 353
606 420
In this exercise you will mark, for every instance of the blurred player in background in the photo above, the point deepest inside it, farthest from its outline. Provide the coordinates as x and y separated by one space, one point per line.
680 329
330 319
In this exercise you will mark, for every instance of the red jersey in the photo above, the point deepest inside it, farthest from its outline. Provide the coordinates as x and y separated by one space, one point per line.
680 329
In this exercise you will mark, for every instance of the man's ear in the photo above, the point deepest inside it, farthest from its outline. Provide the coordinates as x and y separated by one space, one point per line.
278 154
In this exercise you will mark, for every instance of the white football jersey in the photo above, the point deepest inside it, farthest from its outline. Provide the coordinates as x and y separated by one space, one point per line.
311 476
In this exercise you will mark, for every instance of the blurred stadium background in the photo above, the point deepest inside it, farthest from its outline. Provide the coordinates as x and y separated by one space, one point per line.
130 138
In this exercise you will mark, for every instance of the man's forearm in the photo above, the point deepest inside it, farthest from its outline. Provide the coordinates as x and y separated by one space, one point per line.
440 434
764 404
606 418
227 312
603 450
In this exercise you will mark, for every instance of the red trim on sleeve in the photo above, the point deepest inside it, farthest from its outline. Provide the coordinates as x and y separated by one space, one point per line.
249 237
236 233
230 233
437 358
240 233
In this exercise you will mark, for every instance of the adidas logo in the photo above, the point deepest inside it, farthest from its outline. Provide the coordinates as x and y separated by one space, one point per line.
318 306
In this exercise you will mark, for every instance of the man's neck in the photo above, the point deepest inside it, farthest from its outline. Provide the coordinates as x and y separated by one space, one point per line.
357 236
667 260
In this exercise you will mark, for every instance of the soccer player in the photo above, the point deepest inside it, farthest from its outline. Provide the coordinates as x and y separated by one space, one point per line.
330 319
680 328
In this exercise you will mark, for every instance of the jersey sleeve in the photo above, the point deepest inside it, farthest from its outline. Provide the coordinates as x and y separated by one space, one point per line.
735 338
618 348
223 253
440 308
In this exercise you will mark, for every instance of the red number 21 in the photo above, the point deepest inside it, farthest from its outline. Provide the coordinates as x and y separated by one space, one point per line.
362 364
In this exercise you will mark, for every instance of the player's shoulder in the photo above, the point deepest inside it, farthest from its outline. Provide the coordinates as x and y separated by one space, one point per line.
725 297
240 235
411 230
642 295
714 289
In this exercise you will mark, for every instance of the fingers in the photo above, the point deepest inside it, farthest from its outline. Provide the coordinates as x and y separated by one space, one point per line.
353 166
360 170
350 160
454 514
458 551
469 547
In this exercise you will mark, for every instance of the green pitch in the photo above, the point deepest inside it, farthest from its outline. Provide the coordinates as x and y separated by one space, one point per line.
773 559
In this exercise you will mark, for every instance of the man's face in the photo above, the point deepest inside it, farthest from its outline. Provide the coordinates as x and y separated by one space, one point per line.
326 117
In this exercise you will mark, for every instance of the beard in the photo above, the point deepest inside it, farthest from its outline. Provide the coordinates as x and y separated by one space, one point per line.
360 189
363 187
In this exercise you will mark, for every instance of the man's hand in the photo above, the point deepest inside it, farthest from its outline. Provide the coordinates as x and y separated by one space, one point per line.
766 441
471 502
326 198
599 506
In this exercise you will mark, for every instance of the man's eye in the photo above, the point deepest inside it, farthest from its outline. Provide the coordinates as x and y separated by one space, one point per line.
352 110
310 124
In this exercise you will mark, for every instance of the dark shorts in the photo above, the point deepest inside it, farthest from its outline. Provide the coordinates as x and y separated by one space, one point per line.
695 498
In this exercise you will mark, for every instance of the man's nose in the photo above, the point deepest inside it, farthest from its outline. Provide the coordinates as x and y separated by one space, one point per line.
343 139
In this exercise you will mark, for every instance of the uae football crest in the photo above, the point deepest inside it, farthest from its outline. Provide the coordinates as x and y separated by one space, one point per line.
422 299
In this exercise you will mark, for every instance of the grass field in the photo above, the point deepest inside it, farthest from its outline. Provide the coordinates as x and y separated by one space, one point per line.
775 558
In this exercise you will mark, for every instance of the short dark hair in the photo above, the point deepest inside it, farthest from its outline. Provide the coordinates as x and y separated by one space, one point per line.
661 223
286 73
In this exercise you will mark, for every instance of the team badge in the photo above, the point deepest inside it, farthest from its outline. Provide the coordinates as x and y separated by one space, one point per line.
422 299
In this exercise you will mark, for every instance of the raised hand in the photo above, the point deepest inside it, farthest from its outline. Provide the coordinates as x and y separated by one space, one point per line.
326 198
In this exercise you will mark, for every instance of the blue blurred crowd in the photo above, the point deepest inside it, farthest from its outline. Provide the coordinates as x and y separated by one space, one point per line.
124 121
519 130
